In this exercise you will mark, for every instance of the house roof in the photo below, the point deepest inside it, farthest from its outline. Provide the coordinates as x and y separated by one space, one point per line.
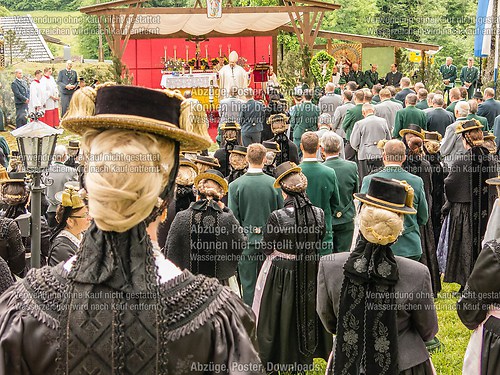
27 31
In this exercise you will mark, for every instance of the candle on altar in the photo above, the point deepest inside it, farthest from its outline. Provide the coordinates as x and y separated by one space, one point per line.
206 52
228 49
187 53
220 50
165 53
269 50
175 52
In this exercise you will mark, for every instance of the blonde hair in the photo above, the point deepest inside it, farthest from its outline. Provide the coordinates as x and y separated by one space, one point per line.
432 147
380 226
126 172
210 189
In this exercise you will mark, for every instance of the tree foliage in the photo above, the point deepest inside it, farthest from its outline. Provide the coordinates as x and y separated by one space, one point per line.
88 38
41 4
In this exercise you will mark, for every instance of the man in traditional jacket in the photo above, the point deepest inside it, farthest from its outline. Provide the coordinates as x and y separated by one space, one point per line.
21 93
409 244
329 102
67 81
438 118
341 111
405 90
452 144
253 188
469 76
322 185
449 75
347 176
490 108
422 99
387 108
364 138
473 107
393 77
304 118
229 111
454 96
409 115
371 76
252 118
355 75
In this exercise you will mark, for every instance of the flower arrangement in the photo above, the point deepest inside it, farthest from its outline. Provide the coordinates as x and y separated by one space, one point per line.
204 64
322 67
192 62
174 65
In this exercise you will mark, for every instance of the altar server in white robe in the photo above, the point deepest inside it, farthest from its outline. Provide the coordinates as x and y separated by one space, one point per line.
52 98
37 94
232 75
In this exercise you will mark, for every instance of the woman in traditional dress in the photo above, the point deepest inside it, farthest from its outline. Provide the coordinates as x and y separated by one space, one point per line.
467 203
206 238
380 306
72 220
117 306
416 164
479 306
289 331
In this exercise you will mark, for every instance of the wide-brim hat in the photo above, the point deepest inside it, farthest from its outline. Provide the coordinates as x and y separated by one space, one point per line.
207 160
160 112
230 126
12 177
412 129
432 136
466 126
238 150
277 117
342 81
187 163
283 170
495 181
214 175
392 195
271 146
488 136
73 145
478 95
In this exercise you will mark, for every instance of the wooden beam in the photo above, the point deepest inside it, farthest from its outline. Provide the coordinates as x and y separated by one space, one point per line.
129 30
214 34
230 10
327 6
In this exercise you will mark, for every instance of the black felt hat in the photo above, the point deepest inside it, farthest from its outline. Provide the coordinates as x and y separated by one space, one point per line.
466 126
283 170
432 136
230 126
73 145
271 146
392 195
412 129
207 160
214 175
161 112
237 149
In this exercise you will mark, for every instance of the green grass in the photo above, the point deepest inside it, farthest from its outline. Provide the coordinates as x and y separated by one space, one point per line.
60 25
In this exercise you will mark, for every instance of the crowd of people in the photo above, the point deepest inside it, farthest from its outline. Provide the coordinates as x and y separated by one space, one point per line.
313 231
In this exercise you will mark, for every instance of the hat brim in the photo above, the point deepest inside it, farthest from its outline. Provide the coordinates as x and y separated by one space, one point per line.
188 141
188 164
238 152
58 198
206 163
493 181
210 176
231 127
402 133
385 205
284 174
12 180
463 130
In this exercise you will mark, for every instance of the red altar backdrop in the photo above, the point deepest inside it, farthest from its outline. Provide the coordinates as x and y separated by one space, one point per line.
142 56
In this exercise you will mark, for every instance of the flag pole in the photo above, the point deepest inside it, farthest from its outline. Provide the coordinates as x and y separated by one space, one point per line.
496 50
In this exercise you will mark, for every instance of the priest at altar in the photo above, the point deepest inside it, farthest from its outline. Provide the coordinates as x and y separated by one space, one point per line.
232 75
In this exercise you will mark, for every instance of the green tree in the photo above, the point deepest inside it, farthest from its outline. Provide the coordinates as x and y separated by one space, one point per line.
88 38
14 47
354 16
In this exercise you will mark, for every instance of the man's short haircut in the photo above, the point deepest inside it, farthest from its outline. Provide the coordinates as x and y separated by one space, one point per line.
454 93
462 109
325 119
376 88
256 153
392 90
368 107
310 142
422 94
489 92
411 99
438 100
329 87
368 97
359 96
308 94
233 91
472 106
463 92
405 81
348 94
351 85
248 93
384 93
395 151
18 71
330 142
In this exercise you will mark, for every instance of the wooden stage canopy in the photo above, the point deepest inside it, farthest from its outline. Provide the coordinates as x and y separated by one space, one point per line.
118 20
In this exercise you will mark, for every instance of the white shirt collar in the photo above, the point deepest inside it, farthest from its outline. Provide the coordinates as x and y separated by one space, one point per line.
332 157
309 159
254 170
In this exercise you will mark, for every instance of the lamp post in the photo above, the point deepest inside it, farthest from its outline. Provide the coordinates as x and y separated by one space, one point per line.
36 142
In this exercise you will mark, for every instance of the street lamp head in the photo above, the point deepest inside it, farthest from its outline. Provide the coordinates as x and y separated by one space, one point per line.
36 142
